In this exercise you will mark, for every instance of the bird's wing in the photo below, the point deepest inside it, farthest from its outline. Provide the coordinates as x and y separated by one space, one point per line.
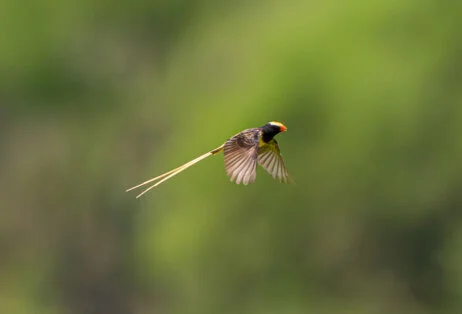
240 153
269 157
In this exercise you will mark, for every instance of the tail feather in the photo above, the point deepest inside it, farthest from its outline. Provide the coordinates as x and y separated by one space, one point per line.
151 180
164 177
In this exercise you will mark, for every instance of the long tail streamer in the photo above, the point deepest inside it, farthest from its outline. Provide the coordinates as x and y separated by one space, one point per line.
164 177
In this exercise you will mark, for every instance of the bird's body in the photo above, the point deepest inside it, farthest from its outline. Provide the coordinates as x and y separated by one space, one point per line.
242 152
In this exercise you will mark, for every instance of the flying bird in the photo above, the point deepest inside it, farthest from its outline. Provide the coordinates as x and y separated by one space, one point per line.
242 152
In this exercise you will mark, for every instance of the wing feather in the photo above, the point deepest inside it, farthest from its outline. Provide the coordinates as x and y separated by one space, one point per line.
241 156
269 157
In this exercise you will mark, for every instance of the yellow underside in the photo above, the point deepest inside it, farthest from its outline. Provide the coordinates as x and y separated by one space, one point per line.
261 143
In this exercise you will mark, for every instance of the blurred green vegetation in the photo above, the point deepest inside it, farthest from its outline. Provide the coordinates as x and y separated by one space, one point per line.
98 96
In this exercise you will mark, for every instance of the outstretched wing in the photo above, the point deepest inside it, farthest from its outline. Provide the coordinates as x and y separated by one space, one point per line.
241 156
269 157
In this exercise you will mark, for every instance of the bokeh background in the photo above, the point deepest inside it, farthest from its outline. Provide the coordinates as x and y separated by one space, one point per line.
97 96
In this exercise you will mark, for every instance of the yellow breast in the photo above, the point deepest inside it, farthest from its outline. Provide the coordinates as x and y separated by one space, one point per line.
261 142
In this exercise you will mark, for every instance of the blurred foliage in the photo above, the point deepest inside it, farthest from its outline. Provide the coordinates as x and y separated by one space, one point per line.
96 96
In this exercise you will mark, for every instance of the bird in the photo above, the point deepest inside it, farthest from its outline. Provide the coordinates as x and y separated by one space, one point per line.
241 153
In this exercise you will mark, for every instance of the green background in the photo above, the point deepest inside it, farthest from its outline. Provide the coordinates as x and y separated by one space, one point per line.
96 96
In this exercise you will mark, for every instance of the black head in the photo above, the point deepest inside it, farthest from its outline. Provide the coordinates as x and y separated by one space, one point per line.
271 129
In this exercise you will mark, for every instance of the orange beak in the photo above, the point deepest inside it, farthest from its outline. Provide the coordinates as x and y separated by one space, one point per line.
283 128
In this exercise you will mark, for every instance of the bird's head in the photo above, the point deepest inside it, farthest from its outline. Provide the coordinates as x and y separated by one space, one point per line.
271 129
274 127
